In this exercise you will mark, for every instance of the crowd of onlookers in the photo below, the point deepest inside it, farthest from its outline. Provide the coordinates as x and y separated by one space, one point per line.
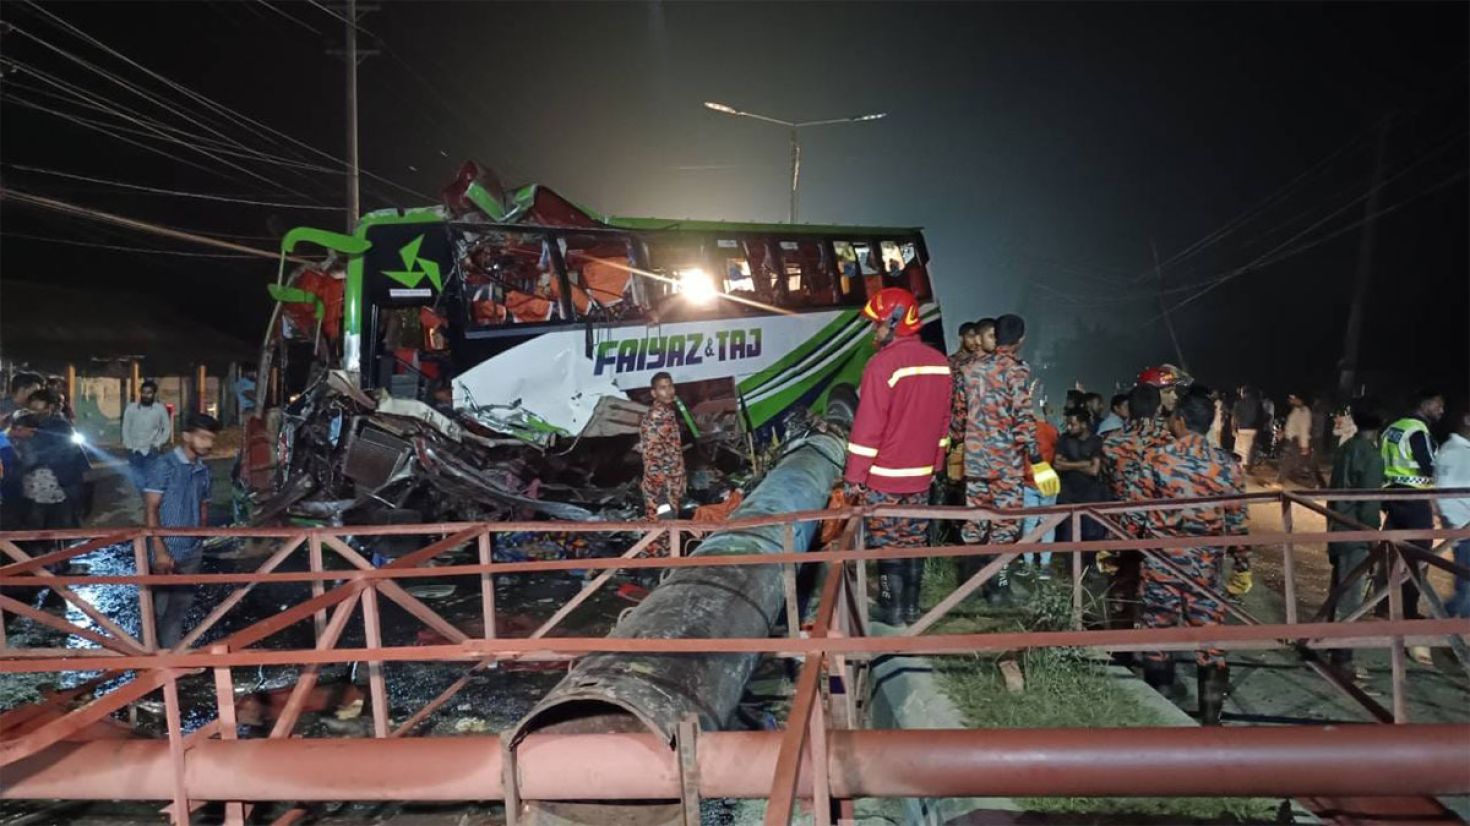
43 476
43 465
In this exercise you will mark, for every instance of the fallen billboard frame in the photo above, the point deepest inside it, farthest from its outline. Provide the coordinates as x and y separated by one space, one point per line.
838 647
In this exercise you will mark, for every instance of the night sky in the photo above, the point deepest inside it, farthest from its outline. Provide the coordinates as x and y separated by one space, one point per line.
1044 147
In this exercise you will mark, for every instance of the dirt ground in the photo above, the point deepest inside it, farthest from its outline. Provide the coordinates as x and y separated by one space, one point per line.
1271 687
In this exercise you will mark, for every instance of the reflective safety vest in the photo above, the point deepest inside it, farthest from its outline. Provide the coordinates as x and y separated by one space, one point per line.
1400 468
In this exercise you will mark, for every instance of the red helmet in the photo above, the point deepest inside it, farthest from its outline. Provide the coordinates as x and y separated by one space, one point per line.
896 307
1161 377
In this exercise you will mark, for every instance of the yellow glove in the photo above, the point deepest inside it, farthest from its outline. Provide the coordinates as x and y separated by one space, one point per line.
954 464
1047 480
1240 584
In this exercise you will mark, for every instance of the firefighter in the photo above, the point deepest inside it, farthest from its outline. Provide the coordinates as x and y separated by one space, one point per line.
664 481
953 489
1000 435
898 441
1168 380
1123 473
1188 466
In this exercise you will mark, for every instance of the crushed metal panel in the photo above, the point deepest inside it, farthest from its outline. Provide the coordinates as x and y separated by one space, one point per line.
411 409
615 416
374 457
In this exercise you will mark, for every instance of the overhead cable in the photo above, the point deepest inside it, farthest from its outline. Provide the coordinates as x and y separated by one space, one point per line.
173 192
122 248
53 204
221 108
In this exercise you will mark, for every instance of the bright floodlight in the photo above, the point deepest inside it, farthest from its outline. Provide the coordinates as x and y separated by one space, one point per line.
697 286
77 438
720 107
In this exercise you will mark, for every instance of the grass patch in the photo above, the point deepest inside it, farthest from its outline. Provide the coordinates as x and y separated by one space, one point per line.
1065 688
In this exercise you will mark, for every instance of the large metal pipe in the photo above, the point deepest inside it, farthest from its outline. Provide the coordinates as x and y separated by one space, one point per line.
1354 760
623 692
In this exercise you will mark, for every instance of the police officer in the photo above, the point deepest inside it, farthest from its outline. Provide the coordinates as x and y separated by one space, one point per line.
1408 464
1185 467
899 438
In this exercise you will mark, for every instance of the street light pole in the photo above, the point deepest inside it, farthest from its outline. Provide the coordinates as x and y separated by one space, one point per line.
795 138
795 174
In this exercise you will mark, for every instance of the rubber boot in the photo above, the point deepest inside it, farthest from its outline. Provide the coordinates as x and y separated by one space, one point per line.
890 592
1159 674
1212 682
912 588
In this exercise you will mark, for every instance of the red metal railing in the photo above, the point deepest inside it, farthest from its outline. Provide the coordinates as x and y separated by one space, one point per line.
836 646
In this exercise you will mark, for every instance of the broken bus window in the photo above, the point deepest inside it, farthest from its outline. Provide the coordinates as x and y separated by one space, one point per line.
507 279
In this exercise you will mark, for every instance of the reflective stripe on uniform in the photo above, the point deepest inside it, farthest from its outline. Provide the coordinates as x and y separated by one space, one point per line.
923 370
862 450
901 471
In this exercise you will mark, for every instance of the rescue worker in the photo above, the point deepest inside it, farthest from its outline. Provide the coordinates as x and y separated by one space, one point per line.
968 351
1168 380
1408 464
664 482
1185 467
1122 451
898 441
1123 475
1000 436
953 489
985 331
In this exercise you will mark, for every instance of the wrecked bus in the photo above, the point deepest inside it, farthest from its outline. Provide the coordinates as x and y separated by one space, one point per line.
525 328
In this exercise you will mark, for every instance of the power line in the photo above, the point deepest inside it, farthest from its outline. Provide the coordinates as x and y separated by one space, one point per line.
93 125
294 19
121 248
132 223
253 124
1271 257
1240 220
165 105
173 192
161 134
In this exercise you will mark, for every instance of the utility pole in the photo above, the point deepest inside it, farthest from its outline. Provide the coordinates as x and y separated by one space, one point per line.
354 201
351 56
1348 378
1164 307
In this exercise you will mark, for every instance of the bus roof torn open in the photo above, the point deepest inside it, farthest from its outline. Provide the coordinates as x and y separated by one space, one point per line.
500 345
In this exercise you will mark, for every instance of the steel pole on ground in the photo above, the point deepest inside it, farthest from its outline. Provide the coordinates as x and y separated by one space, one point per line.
1264 761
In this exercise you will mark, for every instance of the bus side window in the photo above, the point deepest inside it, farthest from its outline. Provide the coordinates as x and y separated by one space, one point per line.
907 269
600 274
857 261
751 272
810 280
684 285
507 279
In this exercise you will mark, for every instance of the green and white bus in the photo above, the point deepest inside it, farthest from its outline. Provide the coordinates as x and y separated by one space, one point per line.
537 317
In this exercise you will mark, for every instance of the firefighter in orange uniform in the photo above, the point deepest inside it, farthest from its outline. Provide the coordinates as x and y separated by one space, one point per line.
898 441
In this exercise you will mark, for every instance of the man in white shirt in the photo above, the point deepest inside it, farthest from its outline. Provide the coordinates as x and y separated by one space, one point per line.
146 428
1452 470
1296 444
